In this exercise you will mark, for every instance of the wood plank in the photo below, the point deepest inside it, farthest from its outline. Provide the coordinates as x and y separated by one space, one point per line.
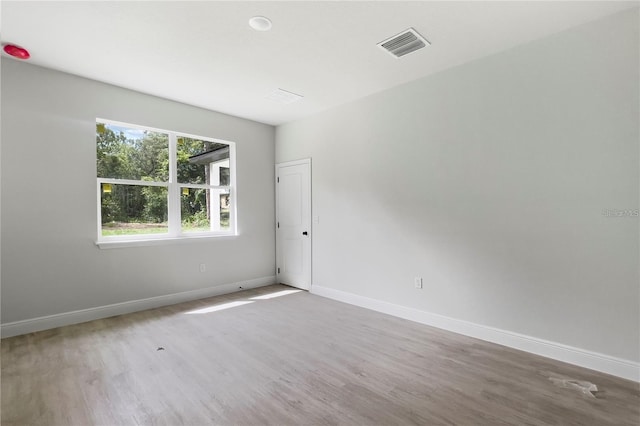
294 359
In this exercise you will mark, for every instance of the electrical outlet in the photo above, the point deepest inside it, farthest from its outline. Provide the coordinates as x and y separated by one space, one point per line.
203 267
417 282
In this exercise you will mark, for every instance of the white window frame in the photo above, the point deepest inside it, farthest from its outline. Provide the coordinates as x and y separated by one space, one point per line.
174 188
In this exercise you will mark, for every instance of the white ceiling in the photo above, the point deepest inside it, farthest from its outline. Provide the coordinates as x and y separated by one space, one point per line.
205 53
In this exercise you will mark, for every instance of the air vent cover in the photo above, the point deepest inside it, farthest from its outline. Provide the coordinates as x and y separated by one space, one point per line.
283 96
406 42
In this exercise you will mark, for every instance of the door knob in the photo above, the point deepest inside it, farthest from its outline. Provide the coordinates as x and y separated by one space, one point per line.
305 233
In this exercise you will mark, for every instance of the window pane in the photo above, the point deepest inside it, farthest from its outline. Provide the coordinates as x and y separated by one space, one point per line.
204 210
225 207
203 162
130 153
133 209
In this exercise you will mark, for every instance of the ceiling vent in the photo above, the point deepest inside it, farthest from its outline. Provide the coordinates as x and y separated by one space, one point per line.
283 97
406 42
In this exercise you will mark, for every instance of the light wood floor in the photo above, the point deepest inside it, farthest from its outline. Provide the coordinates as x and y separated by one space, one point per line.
295 359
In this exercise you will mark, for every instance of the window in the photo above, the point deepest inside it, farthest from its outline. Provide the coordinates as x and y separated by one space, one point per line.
155 184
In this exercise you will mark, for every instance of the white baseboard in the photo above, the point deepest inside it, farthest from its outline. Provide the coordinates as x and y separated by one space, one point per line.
84 315
604 363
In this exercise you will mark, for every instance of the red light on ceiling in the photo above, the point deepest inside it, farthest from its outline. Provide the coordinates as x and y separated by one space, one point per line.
16 51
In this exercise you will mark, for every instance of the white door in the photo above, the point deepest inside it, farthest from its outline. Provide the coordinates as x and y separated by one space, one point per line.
293 223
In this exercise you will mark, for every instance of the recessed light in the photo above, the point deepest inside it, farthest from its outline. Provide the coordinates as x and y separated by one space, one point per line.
260 23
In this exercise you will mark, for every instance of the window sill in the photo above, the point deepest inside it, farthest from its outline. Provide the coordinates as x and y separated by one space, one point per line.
113 244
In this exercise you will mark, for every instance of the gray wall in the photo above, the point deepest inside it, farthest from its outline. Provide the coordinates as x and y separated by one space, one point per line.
489 181
50 263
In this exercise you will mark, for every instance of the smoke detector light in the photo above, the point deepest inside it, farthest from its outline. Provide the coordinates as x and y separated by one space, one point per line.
16 51
284 97
260 23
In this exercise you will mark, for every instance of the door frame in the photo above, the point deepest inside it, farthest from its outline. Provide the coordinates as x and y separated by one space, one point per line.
275 225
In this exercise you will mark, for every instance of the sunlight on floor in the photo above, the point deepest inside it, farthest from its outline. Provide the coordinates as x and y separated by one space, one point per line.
221 307
229 305
276 294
